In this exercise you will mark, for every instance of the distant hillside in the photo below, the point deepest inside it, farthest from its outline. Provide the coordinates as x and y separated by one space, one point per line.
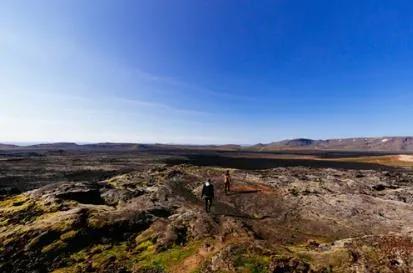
69 146
8 146
53 146
389 144
226 147
386 144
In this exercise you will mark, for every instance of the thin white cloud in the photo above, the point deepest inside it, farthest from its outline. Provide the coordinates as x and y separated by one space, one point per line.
189 86
160 106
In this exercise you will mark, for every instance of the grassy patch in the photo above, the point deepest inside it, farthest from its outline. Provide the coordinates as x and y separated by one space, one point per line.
115 253
69 235
14 201
21 209
15 204
143 256
250 262
55 246
149 258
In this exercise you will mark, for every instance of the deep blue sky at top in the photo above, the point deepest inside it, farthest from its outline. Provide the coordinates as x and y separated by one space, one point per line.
205 71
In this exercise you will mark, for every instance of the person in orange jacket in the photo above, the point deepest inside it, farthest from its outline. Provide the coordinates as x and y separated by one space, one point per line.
227 182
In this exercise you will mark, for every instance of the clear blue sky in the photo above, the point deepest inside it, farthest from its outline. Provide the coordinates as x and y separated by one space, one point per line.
204 71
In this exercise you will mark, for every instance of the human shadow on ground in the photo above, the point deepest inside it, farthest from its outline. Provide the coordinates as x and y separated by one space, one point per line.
241 192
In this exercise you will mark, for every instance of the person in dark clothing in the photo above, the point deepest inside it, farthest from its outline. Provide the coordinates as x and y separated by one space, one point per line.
208 194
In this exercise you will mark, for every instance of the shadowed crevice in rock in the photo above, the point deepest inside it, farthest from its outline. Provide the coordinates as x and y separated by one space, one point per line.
242 192
84 197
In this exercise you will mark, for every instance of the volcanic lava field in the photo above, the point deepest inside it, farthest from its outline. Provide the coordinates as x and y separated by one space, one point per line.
131 211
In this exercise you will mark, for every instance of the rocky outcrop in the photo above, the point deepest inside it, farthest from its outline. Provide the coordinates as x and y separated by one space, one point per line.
152 220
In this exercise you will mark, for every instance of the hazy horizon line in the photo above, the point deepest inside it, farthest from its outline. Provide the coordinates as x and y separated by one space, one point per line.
30 143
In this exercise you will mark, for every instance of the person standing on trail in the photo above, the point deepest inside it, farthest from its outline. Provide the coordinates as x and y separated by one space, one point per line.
208 194
227 182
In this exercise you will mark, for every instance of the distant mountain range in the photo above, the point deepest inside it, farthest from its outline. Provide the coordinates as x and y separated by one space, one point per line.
70 146
388 144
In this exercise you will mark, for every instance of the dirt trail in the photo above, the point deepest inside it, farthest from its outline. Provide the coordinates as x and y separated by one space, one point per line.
192 262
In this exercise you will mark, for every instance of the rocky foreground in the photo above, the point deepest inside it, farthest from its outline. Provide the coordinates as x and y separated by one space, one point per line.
278 220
